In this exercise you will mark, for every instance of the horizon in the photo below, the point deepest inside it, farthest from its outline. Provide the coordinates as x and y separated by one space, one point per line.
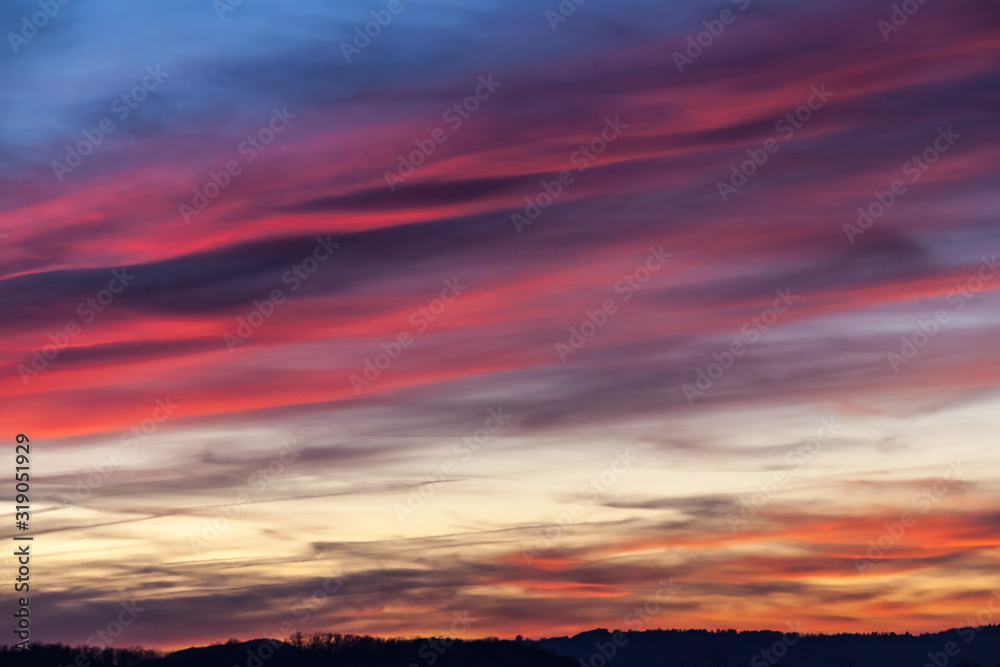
555 315
609 630
596 648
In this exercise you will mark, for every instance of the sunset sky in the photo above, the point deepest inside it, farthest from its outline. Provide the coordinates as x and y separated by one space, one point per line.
502 311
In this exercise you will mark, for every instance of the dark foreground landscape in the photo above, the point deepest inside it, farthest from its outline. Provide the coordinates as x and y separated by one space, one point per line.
963 647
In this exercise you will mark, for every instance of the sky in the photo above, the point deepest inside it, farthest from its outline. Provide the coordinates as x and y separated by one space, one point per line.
548 317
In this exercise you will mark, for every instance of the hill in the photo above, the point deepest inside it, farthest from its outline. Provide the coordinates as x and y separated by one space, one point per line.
961 647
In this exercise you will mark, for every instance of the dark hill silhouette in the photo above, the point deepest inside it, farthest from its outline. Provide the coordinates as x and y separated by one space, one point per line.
963 647
324 650
728 648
